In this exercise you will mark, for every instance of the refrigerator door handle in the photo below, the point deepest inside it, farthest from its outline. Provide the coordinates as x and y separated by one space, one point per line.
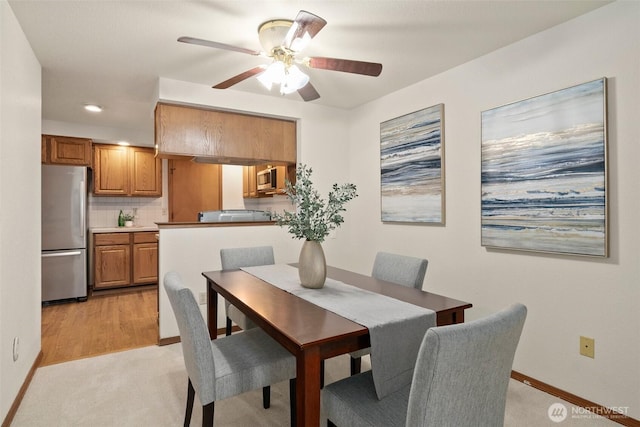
83 210
73 253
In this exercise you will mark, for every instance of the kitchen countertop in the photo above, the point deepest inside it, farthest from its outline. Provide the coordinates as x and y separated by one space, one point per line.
133 229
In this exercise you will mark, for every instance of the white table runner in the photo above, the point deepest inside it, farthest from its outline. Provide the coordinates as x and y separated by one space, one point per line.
396 328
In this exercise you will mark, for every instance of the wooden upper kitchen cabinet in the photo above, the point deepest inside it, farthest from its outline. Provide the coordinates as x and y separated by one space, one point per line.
145 172
226 136
126 171
66 150
110 170
249 183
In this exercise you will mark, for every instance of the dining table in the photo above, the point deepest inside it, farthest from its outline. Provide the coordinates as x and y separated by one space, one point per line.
310 332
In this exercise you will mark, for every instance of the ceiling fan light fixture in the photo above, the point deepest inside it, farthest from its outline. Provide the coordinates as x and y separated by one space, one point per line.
274 74
294 79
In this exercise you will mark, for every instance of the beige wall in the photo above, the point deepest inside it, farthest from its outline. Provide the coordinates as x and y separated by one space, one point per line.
566 296
20 102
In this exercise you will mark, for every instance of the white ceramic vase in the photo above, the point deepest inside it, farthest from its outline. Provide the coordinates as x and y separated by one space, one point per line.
312 266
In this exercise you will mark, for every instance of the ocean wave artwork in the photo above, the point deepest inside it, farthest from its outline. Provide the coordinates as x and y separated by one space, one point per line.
411 154
544 173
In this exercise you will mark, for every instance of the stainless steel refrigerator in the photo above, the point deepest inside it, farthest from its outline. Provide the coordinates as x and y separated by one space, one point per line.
64 233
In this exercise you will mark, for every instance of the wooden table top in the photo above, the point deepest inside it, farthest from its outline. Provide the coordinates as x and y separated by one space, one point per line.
302 322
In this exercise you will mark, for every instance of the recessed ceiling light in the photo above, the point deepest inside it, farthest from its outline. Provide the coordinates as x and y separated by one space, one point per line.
94 108
123 143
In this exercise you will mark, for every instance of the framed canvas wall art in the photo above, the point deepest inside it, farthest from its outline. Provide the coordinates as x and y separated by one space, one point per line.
411 167
544 173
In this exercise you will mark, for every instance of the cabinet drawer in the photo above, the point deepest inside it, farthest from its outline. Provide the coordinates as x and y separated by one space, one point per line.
145 237
101 239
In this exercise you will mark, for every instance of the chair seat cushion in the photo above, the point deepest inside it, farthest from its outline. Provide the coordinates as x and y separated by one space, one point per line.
360 353
353 402
248 361
239 318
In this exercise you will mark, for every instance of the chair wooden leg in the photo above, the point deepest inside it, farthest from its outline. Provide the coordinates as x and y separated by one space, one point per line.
191 394
266 397
356 365
207 415
228 328
292 401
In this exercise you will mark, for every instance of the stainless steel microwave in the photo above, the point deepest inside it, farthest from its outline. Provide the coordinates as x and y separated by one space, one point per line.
267 179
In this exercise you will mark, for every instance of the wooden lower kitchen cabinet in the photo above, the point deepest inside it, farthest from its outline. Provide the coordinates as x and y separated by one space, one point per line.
145 258
125 259
112 260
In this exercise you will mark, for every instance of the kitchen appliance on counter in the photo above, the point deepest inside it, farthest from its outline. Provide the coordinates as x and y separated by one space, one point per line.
64 233
234 215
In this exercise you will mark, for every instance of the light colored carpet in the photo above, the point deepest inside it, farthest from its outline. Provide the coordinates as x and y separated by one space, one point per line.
147 387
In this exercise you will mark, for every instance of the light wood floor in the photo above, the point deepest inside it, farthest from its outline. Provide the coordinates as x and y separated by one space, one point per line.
103 324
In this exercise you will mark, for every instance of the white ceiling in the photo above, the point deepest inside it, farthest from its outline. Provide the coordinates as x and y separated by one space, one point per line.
112 52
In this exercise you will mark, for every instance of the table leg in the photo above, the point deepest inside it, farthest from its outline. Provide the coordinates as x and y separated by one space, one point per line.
308 387
212 311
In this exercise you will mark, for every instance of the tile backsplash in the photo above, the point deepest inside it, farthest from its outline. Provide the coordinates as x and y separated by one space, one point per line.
104 211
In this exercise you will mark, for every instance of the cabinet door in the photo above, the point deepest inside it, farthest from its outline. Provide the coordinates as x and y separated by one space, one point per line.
145 263
189 131
145 172
249 184
110 170
43 150
112 266
70 151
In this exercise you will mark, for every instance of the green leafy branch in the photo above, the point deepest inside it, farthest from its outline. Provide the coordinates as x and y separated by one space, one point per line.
314 217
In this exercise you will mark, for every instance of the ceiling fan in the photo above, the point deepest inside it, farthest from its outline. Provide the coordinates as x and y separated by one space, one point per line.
282 40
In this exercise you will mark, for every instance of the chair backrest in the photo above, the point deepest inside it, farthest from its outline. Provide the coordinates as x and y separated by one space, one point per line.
233 258
194 337
400 269
462 371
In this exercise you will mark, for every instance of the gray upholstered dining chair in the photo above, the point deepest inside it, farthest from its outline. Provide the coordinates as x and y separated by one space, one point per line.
401 269
233 258
460 379
228 366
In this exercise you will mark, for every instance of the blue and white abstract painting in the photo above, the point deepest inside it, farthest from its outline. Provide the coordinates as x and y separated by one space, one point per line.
411 153
544 173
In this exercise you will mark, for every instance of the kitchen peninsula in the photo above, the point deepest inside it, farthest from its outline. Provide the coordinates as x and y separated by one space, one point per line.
191 248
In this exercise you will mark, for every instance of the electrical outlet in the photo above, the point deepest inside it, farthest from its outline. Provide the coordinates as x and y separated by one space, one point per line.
202 297
587 347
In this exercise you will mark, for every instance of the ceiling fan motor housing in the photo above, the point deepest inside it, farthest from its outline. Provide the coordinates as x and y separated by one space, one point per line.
272 33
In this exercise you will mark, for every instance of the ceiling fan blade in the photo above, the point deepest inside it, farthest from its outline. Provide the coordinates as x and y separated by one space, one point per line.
346 65
208 43
308 92
304 28
240 77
